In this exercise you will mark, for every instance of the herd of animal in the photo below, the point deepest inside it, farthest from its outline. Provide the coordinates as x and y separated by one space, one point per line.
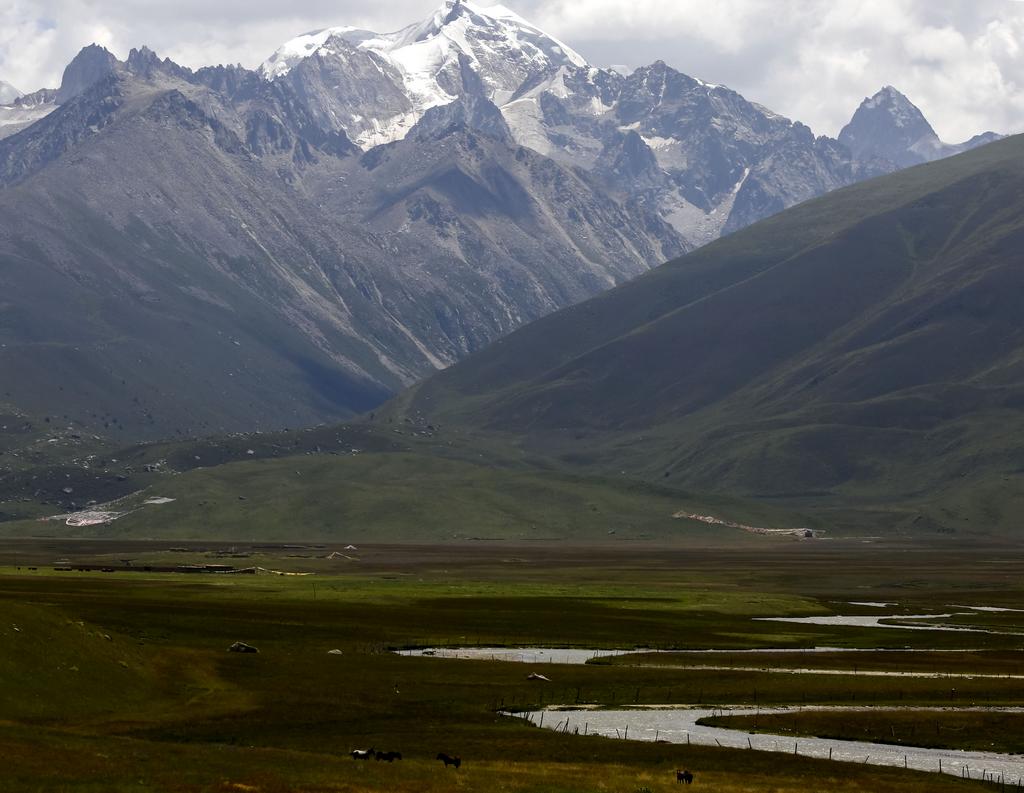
390 757
374 754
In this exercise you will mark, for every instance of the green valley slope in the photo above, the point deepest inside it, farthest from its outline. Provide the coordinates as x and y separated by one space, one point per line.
862 351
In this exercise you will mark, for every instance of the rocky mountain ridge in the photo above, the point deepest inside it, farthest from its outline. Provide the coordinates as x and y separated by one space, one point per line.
702 156
858 353
188 252
890 127
163 227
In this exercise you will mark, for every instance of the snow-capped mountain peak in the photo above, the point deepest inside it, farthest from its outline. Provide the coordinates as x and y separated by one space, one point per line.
447 14
476 31
462 24
426 61
293 52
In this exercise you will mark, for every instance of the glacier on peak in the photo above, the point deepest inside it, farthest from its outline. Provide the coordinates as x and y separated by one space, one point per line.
699 152
301 47
504 50
456 24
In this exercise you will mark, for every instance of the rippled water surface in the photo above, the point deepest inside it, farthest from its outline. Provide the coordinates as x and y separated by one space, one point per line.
679 725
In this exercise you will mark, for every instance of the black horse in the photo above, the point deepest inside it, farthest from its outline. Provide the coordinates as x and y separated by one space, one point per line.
448 760
389 756
684 776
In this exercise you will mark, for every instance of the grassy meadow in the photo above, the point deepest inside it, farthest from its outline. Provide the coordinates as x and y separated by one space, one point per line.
122 681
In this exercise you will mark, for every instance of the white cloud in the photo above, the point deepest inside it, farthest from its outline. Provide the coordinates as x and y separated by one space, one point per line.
813 60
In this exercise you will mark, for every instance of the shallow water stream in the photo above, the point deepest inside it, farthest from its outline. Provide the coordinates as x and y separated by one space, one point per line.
679 725
522 655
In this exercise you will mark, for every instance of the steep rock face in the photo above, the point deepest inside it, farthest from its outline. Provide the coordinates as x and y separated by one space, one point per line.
351 89
889 126
160 278
470 112
472 217
706 159
515 180
380 85
90 66
700 155
195 252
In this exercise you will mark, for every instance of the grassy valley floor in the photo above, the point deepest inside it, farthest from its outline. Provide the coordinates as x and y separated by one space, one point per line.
116 681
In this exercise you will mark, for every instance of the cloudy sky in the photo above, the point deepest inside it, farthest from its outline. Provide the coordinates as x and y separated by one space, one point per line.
813 60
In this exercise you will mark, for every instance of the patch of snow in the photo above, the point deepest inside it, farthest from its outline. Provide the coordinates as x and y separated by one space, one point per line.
504 49
524 120
656 142
768 112
14 118
297 49
711 86
696 225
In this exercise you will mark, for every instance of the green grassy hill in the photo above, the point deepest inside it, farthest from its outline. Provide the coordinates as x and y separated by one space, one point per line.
861 351
356 483
852 365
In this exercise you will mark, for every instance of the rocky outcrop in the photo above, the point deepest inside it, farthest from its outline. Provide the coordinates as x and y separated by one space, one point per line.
889 126
90 66
197 253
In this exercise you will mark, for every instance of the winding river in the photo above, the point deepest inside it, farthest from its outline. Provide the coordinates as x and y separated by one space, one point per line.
679 725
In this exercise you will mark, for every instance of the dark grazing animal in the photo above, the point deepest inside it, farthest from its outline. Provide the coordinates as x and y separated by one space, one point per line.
684 776
448 760
363 754
389 756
